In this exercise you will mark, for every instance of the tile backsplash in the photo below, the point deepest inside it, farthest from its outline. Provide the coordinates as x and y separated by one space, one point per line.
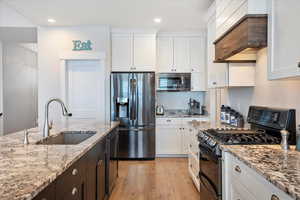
179 100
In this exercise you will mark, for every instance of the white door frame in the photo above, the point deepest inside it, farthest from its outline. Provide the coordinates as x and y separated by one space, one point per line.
71 55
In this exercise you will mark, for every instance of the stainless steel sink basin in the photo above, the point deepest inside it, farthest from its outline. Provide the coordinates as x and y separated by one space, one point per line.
67 138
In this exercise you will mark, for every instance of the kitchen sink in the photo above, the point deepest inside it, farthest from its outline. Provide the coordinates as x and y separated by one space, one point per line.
67 138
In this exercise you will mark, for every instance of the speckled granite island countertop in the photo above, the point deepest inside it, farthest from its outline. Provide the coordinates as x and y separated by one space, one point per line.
278 167
25 170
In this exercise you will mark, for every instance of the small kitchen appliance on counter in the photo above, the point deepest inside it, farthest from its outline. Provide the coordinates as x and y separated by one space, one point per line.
195 108
266 128
160 110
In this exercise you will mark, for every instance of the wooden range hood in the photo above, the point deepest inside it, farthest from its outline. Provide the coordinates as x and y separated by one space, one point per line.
242 41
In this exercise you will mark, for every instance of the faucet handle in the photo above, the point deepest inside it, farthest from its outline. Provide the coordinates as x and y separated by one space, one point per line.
26 132
51 125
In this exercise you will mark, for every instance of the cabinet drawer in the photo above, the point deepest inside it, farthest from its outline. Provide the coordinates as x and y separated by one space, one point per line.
253 182
70 185
239 192
47 194
169 121
194 165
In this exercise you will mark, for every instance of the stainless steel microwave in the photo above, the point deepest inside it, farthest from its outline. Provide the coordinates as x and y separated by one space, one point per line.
174 82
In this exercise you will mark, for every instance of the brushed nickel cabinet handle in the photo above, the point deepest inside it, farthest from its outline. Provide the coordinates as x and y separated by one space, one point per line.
274 197
74 172
238 169
74 191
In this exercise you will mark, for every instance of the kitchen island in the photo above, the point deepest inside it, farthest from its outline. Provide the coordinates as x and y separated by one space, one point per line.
261 172
26 170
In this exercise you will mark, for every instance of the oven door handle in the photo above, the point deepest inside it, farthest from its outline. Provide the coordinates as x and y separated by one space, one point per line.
214 189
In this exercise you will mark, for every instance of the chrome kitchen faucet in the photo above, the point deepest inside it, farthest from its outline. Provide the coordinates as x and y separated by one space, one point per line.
65 112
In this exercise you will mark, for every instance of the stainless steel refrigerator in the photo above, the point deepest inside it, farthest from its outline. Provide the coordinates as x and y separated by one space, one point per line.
133 104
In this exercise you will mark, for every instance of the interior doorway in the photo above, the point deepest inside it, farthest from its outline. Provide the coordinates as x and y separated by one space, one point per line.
86 89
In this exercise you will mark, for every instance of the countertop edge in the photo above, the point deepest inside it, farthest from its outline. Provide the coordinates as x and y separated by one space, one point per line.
261 173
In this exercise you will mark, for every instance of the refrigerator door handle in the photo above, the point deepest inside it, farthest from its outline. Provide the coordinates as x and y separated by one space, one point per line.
133 99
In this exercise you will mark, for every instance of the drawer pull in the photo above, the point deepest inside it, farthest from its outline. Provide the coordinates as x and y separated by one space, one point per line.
74 191
274 197
238 169
74 172
168 120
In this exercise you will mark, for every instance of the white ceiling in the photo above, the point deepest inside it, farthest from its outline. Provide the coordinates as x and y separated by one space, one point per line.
177 15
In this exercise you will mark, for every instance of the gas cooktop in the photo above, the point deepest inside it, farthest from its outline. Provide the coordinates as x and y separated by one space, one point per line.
266 124
242 136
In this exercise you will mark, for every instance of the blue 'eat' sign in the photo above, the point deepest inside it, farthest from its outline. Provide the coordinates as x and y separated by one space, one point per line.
78 45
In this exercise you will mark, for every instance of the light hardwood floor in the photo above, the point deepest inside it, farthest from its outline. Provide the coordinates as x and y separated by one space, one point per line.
162 179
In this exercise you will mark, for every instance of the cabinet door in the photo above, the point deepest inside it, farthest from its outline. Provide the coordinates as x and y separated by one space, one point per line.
168 140
122 52
216 72
101 194
47 194
95 180
144 56
182 54
165 54
185 138
238 191
112 164
283 39
71 184
198 81
197 54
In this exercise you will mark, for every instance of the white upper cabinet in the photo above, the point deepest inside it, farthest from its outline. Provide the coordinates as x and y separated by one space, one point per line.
198 81
284 40
182 55
165 54
133 52
144 47
197 54
229 12
122 52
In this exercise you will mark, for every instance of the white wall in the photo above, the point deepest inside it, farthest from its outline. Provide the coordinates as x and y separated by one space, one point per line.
11 18
179 100
277 93
19 88
52 43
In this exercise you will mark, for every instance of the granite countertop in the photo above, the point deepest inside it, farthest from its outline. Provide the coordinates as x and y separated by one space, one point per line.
25 170
280 168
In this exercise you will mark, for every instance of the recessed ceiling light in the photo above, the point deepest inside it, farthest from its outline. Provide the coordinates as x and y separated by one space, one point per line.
157 20
51 20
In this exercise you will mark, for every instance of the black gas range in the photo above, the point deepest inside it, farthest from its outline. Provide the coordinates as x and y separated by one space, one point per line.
265 126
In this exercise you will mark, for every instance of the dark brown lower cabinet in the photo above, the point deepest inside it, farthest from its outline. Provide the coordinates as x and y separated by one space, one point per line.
71 184
95 175
101 194
47 194
87 178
